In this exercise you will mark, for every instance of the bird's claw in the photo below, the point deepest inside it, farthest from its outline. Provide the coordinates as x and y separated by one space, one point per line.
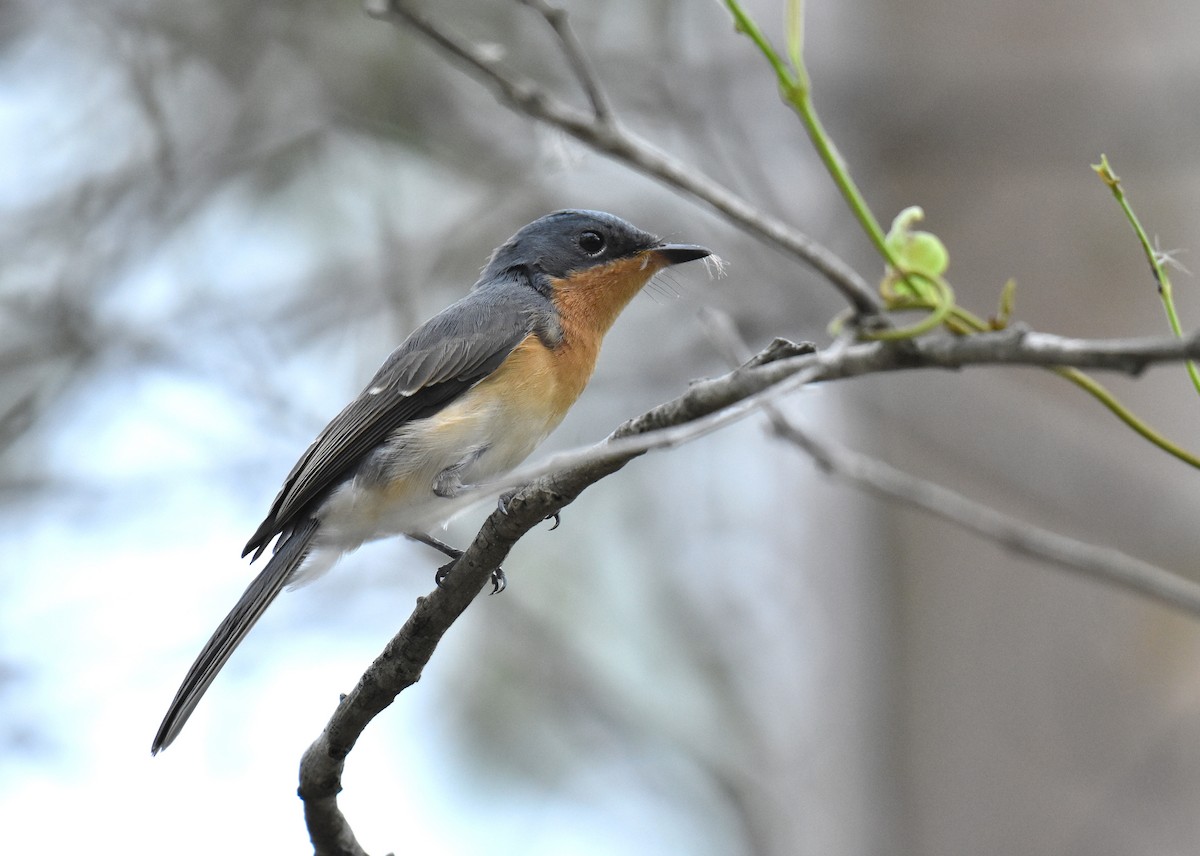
506 498
499 580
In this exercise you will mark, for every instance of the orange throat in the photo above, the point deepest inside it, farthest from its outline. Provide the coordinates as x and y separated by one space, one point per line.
589 301
588 304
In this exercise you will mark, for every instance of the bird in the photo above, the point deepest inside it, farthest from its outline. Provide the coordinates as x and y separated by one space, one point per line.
464 399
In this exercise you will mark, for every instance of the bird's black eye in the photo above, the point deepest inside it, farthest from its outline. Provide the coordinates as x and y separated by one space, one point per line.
591 243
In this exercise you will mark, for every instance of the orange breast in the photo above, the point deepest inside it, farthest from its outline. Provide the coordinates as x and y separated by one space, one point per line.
539 382
548 381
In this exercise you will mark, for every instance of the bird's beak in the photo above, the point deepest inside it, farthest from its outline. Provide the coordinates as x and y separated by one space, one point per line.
675 254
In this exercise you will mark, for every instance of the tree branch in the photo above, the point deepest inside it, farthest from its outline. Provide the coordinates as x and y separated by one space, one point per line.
707 405
601 132
882 479
1098 563
576 58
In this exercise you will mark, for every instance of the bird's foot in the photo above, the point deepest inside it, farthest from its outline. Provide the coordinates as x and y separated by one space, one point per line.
507 497
499 580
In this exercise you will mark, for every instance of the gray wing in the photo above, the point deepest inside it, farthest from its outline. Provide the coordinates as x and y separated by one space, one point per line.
441 360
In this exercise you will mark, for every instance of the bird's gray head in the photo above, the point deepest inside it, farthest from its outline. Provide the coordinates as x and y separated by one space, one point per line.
567 241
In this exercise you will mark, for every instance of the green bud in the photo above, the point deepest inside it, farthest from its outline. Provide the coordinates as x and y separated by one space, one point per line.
916 251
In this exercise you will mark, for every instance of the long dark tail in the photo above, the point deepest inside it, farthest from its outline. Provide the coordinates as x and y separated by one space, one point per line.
250 607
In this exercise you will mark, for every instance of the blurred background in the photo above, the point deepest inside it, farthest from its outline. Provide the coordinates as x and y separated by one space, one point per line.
216 220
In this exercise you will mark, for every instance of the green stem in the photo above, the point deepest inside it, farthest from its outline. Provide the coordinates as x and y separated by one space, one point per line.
964 323
1165 292
794 84
745 24
1101 394
1173 320
940 310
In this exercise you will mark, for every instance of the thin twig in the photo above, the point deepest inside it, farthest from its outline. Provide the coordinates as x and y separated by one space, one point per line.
704 407
1093 562
526 97
1157 259
712 404
576 58
870 474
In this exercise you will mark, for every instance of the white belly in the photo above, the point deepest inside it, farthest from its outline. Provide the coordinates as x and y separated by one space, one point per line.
488 430
393 492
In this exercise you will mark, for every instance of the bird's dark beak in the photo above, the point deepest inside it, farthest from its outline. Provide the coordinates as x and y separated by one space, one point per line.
676 254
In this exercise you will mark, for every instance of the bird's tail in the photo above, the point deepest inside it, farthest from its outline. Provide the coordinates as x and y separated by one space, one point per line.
250 607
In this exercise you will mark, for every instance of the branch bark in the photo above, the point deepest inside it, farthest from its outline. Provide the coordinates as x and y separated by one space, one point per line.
707 405
1018 536
1102 564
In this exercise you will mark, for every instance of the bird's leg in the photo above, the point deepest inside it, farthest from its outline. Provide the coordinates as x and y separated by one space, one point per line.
437 544
499 580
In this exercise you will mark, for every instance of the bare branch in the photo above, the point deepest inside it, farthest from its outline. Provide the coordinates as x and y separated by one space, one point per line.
707 405
1131 356
328 829
882 479
398 667
714 403
1088 560
526 97
576 58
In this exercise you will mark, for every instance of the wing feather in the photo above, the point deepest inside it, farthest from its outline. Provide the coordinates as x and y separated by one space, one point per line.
441 360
